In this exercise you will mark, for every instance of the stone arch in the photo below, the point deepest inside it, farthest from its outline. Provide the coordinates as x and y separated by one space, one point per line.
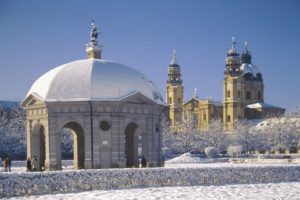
133 144
38 145
78 143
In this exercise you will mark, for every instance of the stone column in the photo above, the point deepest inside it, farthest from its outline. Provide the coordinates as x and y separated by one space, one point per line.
114 140
118 142
96 144
52 143
87 143
150 138
28 138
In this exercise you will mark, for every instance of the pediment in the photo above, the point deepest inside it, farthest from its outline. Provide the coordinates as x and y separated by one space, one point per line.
192 101
32 100
137 98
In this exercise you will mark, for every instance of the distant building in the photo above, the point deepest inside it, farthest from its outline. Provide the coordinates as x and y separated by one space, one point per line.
243 95
113 111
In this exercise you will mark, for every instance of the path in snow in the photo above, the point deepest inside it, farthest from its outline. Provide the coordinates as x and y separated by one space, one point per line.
248 191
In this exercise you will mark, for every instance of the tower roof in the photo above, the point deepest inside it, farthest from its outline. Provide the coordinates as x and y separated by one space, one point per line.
246 55
233 51
173 62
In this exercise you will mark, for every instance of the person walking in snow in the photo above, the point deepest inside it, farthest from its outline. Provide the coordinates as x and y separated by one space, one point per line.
144 162
5 164
29 165
9 164
34 163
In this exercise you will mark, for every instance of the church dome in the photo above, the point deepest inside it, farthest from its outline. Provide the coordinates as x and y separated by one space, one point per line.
93 80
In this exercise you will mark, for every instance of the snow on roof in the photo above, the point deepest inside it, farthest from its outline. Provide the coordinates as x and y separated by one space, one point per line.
217 103
278 121
249 68
93 79
260 105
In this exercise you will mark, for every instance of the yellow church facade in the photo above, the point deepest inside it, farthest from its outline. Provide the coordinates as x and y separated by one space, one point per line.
243 95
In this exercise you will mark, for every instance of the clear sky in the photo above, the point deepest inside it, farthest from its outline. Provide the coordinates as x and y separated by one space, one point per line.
36 36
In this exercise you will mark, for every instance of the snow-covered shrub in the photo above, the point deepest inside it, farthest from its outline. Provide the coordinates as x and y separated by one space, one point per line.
234 151
211 152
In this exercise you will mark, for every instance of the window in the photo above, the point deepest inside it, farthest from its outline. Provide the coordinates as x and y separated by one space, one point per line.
239 94
228 118
228 93
204 117
178 100
258 95
170 99
248 95
104 126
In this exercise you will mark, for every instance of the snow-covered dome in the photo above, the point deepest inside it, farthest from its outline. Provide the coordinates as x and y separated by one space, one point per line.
249 68
93 79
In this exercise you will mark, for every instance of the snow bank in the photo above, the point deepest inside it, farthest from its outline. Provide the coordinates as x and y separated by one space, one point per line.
20 184
194 158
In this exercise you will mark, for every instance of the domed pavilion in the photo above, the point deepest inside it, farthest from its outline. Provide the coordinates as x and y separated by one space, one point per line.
113 111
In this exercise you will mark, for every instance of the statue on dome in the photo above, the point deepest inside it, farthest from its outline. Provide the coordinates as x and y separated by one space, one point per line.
94 34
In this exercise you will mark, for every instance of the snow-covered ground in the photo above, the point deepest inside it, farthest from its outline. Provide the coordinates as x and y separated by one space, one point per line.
289 191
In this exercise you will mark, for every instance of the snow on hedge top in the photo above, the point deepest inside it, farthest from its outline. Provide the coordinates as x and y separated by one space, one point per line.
93 79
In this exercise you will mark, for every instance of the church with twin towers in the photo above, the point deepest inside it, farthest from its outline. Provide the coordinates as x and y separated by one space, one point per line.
243 95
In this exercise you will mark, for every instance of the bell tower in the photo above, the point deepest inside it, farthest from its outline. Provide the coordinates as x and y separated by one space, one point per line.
232 88
92 48
174 92
254 87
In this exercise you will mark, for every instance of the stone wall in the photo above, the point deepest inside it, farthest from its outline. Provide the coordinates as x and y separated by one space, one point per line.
20 184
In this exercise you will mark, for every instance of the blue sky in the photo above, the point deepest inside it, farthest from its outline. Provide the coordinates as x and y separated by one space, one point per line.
37 36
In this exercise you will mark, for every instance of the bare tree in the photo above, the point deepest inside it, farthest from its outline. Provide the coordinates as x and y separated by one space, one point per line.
281 133
215 135
182 138
245 135
12 133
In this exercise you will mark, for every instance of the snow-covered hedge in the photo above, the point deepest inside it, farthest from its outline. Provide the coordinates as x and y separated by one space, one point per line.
263 161
211 152
20 184
234 151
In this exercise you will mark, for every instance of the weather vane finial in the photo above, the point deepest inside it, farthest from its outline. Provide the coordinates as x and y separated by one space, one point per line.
94 34
195 93
174 57
92 48
233 42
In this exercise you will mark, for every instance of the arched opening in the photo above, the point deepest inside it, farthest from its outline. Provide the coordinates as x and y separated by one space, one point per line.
38 146
67 150
72 133
133 145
